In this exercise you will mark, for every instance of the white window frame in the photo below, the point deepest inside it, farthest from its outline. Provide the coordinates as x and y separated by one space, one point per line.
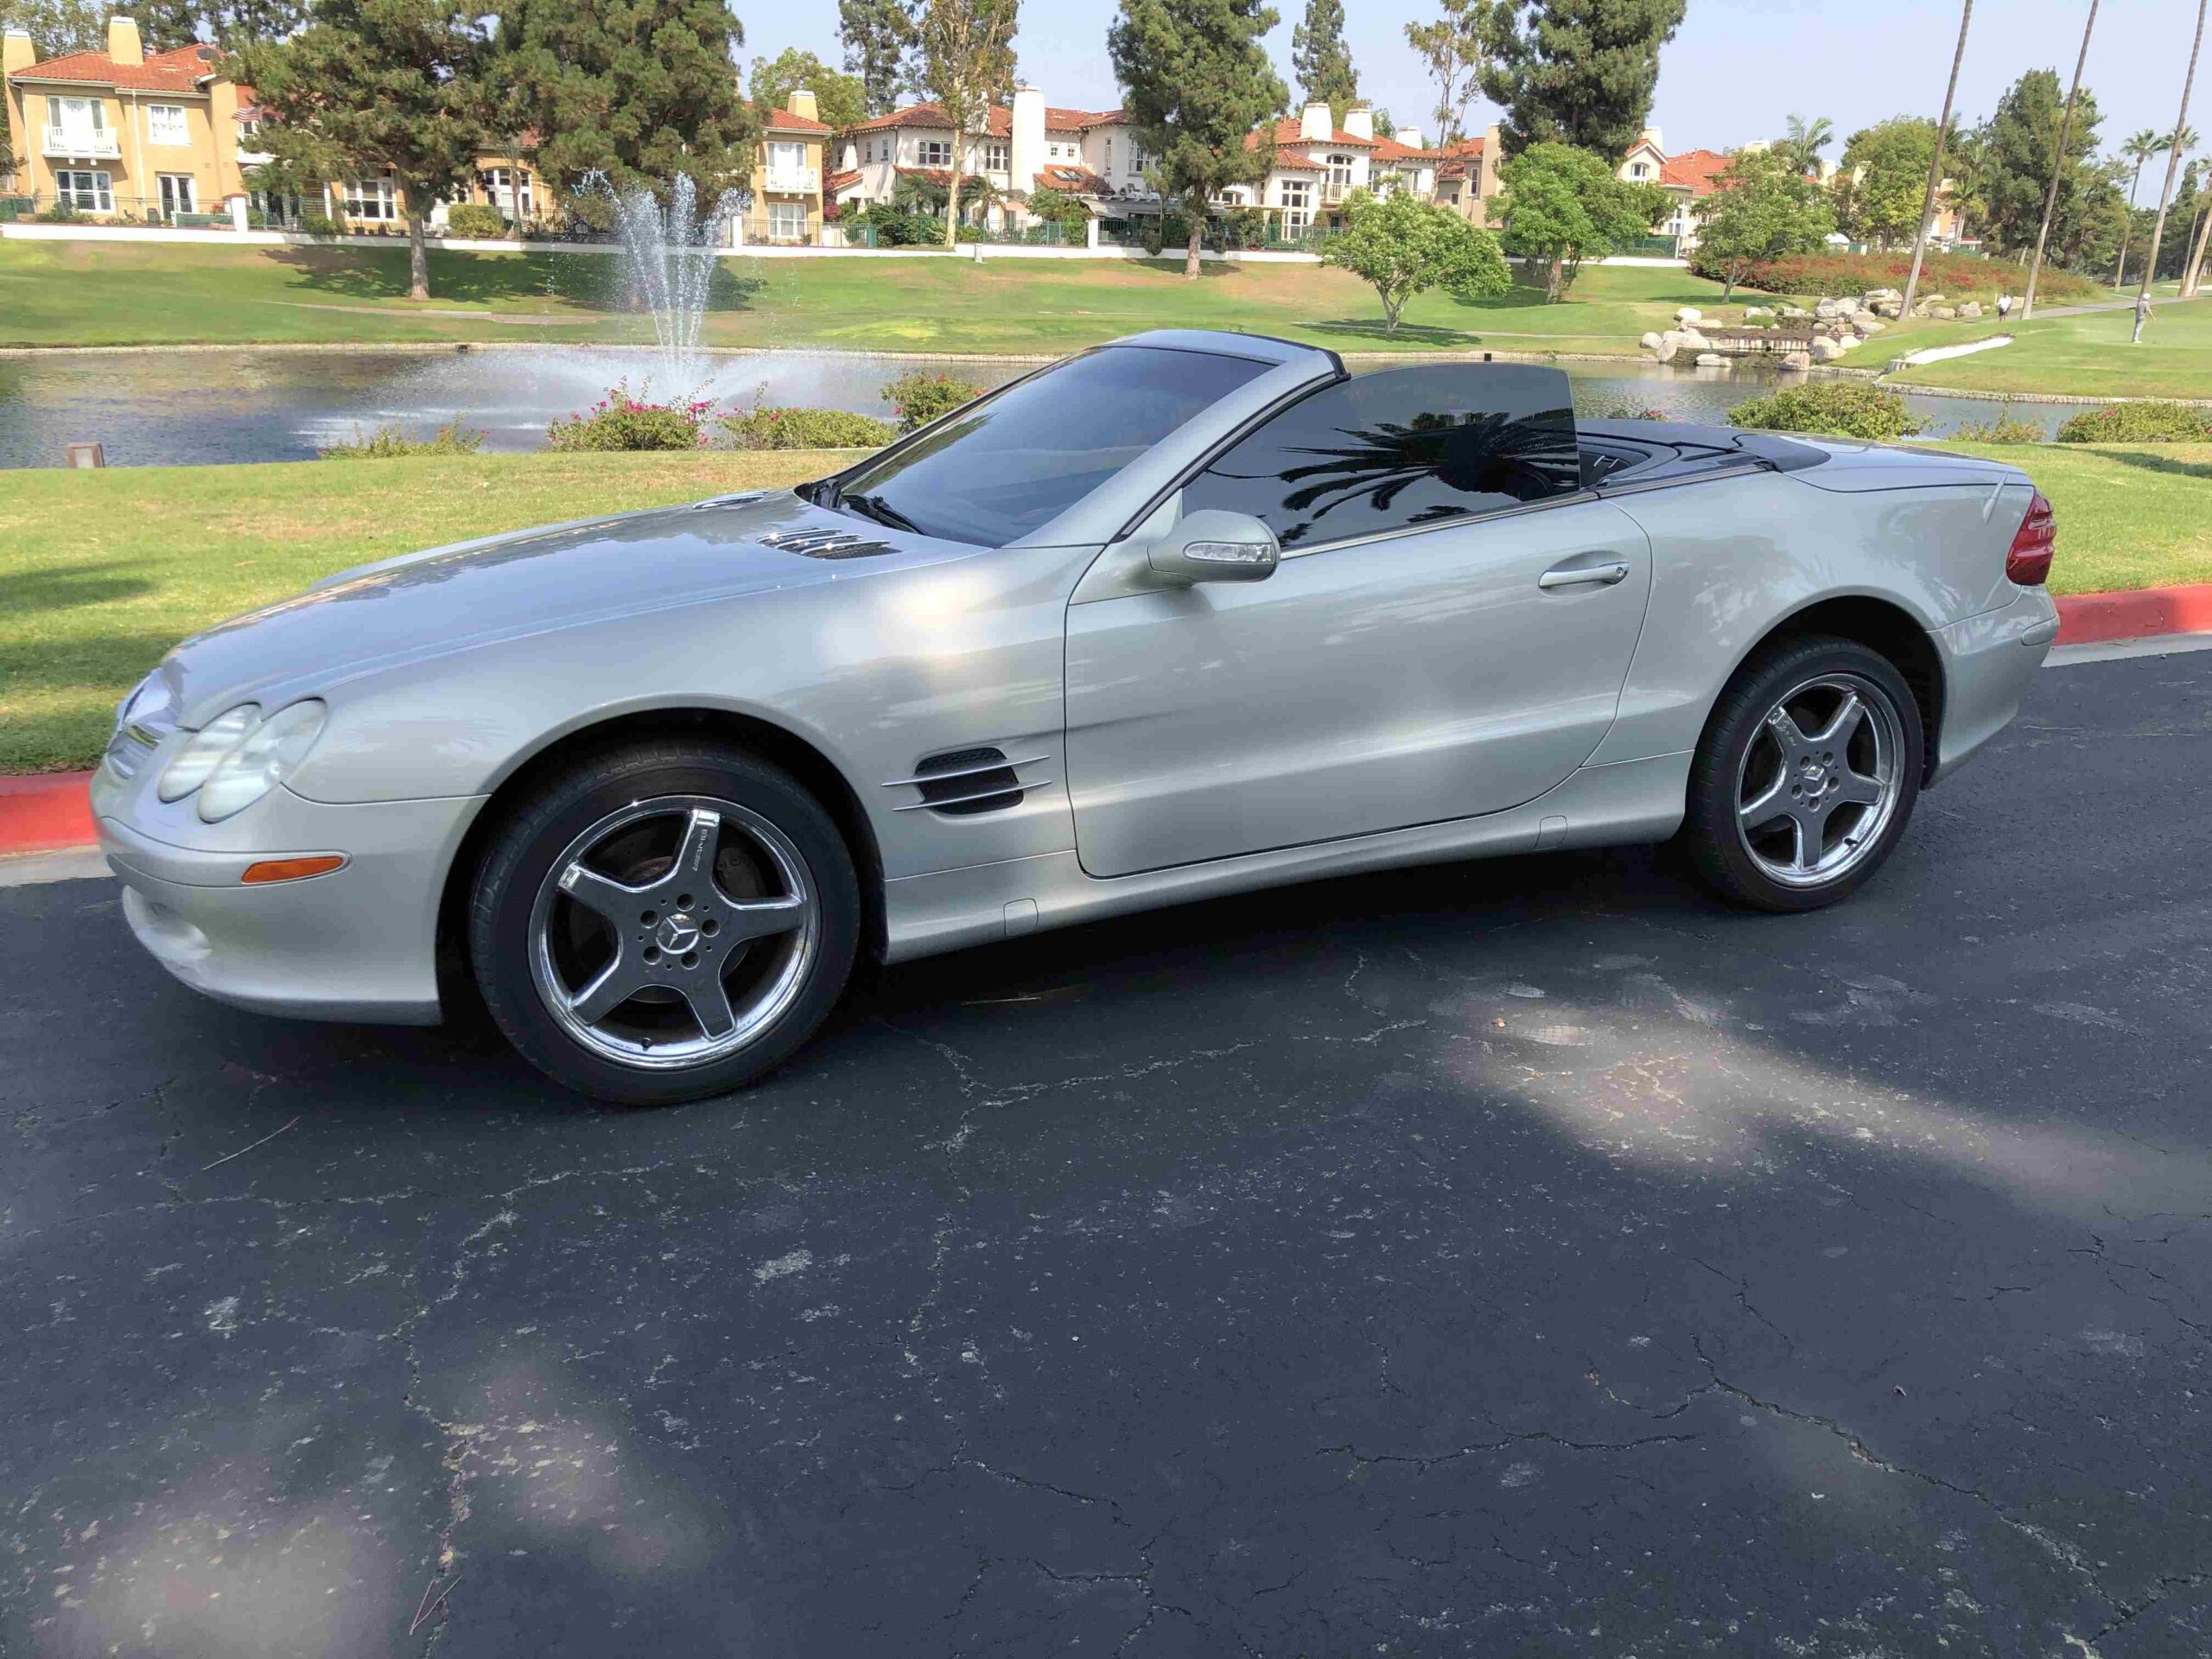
72 184
787 221
167 126
371 201
995 157
178 193
934 152
57 110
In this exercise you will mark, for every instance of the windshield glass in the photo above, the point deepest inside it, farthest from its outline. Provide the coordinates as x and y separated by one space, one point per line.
1011 464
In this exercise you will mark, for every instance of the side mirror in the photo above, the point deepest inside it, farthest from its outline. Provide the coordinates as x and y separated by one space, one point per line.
1214 546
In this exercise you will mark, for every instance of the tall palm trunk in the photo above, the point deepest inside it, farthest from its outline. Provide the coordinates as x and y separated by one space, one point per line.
2193 272
1936 163
2167 195
2058 166
2128 229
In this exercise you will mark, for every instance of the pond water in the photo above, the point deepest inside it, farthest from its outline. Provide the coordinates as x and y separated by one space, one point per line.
157 409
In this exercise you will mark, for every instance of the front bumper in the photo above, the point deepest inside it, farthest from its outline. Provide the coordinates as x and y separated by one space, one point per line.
1989 663
357 943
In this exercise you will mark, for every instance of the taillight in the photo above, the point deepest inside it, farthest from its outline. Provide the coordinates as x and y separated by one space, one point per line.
2027 563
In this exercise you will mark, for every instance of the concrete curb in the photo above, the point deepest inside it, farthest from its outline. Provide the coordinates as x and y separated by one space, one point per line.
50 811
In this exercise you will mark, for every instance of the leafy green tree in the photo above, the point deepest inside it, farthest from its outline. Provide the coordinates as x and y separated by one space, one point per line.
1451 49
1404 246
2023 137
168 24
964 49
58 28
1321 60
1763 206
1196 83
839 98
643 91
1576 72
376 87
1884 169
1562 206
877 34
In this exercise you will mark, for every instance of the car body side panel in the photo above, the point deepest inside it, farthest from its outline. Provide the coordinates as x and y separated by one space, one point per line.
1733 558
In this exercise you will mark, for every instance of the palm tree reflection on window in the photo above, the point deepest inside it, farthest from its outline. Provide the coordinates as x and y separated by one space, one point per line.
1480 461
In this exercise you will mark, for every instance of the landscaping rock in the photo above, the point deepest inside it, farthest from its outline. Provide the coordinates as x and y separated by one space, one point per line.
1689 314
1943 313
1827 349
1752 313
1794 313
1971 308
1800 360
1711 360
1893 308
1883 296
1826 310
1652 342
1868 325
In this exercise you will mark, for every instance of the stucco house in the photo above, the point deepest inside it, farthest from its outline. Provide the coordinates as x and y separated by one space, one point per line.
788 168
1467 175
1018 148
1687 179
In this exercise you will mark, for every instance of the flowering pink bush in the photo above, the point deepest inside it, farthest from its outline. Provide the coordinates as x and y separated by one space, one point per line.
621 421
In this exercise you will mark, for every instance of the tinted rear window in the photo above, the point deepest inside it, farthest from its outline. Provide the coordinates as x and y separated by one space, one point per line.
1400 448
1012 463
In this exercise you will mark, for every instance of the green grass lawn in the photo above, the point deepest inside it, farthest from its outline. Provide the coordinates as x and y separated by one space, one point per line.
101 572
2087 355
101 294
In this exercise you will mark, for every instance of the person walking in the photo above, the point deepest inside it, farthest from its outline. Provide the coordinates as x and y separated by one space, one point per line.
2003 307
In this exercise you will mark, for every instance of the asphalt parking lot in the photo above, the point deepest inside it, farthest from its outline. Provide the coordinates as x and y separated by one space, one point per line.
1528 1257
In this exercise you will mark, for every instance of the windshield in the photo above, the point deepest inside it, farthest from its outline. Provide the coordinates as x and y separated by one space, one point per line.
1012 463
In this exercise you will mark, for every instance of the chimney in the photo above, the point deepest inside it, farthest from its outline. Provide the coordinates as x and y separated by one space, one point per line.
1027 155
1410 137
124 45
1654 137
1359 121
1314 123
801 102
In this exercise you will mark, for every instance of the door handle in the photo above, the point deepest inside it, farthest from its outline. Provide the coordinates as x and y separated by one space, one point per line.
1583 575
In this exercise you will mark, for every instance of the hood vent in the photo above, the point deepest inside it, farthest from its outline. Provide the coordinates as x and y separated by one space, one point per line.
824 543
965 782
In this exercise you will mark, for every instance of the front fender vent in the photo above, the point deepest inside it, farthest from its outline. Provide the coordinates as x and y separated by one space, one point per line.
965 782
824 543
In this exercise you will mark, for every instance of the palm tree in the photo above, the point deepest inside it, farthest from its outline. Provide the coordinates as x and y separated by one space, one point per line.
1805 140
2138 149
2057 168
2181 135
1936 162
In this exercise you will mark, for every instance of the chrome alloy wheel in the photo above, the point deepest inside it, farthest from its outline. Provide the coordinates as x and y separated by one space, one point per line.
1820 781
674 931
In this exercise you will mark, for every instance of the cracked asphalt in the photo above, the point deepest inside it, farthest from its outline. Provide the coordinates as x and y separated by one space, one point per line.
1528 1257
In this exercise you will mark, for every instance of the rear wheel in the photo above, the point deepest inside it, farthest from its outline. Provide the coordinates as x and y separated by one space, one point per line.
1806 776
664 923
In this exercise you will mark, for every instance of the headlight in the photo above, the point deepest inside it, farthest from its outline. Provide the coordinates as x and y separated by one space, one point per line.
268 753
206 751
124 709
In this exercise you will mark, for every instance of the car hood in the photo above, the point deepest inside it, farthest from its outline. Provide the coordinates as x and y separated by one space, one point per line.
554 578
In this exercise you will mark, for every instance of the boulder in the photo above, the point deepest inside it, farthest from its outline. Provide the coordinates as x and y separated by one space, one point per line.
1943 313
1800 360
1868 325
1827 311
1846 307
1752 313
1652 342
1890 307
1827 349
1971 308
1687 314
1883 296
1794 313
1711 360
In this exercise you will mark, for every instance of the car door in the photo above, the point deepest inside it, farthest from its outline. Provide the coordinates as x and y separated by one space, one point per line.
1446 634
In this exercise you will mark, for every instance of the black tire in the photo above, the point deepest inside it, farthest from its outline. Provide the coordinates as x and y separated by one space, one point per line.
1737 740
545 824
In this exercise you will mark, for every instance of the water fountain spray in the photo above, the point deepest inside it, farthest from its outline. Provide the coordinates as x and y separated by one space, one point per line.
668 256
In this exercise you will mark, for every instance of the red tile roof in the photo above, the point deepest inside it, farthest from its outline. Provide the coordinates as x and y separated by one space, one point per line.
784 121
999 124
1060 176
181 70
1389 149
1693 170
1287 132
837 181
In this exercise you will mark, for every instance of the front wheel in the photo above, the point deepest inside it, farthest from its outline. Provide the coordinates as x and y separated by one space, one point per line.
664 923
1806 776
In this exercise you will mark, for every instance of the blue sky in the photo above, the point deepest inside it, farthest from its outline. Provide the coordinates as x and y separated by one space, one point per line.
1735 70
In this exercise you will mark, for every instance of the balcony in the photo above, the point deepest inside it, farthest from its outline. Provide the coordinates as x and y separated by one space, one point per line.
794 181
82 144
1334 191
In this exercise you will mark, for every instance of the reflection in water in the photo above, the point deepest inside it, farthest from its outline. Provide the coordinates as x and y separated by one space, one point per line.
194 408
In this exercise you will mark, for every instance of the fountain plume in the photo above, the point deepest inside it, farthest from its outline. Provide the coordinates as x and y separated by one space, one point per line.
668 258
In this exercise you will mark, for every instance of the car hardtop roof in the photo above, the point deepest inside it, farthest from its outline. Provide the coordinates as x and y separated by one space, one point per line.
1225 342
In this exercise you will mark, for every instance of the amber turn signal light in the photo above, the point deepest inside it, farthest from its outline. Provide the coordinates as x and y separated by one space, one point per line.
290 869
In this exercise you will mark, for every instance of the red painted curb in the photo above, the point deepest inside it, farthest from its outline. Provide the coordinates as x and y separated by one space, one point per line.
2090 619
49 811
45 812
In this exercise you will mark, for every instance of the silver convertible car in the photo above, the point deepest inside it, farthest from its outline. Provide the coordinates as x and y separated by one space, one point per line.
1186 614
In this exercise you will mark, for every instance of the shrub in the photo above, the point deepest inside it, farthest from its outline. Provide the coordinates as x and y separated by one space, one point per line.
762 427
473 218
1621 409
318 225
2000 428
919 398
60 213
1170 229
620 421
893 227
1954 276
2139 424
387 442
1849 409
1058 207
